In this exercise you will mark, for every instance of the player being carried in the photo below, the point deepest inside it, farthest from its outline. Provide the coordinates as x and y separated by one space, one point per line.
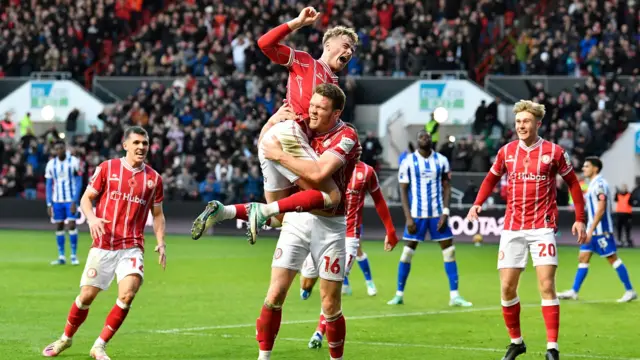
363 180
424 175
303 233
305 73
531 165
599 232
63 194
125 190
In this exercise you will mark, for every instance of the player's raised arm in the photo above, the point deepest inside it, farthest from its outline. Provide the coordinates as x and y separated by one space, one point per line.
270 45
383 211
490 181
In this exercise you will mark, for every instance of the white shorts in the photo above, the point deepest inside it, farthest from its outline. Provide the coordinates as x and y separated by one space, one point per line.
295 142
321 238
103 265
515 246
310 269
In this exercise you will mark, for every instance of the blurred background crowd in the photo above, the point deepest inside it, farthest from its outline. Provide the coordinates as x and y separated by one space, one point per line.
203 132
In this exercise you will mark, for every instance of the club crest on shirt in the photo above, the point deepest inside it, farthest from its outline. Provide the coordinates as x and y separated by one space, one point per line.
360 176
150 184
546 159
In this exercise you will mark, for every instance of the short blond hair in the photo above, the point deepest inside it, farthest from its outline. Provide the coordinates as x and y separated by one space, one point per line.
535 109
339 31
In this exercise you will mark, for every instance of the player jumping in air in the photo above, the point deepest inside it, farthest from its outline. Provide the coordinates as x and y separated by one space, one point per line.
424 175
530 222
363 180
599 232
63 194
305 73
321 235
125 190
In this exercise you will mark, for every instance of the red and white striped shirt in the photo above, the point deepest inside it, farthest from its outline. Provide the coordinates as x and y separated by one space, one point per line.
341 141
531 182
125 196
305 73
364 180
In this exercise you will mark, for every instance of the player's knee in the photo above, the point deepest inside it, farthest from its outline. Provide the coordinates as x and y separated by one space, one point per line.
71 226
60 226
407 254
126 298
547 288
509 290
449 254
87 295
331 305
276 295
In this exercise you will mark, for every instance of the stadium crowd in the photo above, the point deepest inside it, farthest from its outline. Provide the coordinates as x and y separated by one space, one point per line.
219 115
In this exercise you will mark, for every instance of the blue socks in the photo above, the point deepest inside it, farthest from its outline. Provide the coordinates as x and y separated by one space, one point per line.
345 282
451 268
60 239
583 269
73 239
623 274
363 262
403 274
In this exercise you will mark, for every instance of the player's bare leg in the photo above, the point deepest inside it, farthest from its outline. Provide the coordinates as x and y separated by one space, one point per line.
127 290
451 269
77 315
404 268
304 201
550 307
584 258
509 278
363 263
268 324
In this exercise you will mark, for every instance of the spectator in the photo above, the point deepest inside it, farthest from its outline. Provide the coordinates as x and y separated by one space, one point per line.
371 150
30 182
623 215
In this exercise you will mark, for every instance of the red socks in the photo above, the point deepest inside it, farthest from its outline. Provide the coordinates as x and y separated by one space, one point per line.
303 201
114 320
336 333
322 325
551 315
76 317
511 314
267 327
241 212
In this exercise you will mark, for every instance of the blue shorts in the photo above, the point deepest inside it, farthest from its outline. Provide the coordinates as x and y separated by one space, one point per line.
428 225
62 212
603 245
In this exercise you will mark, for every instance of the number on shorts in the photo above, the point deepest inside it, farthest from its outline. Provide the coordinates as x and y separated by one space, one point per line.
547 249
335 267
602 242
134 262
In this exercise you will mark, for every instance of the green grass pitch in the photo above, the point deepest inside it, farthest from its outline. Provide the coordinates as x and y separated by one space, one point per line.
206 303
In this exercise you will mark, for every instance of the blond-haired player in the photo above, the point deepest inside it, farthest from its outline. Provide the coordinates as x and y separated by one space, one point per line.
531 164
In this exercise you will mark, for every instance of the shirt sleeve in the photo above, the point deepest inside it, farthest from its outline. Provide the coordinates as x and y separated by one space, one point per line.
564 162
498 165
159 195
98 180
403 172
446 169
344 148
48 171
372 181
601 191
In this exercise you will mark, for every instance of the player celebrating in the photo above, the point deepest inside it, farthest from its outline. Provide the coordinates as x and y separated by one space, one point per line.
304 74
363 180
303 233
531 165
63 194
125 190
424 175
599 232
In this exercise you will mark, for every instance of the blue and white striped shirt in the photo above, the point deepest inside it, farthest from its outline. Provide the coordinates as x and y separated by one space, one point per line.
63 175
425 179
599 188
